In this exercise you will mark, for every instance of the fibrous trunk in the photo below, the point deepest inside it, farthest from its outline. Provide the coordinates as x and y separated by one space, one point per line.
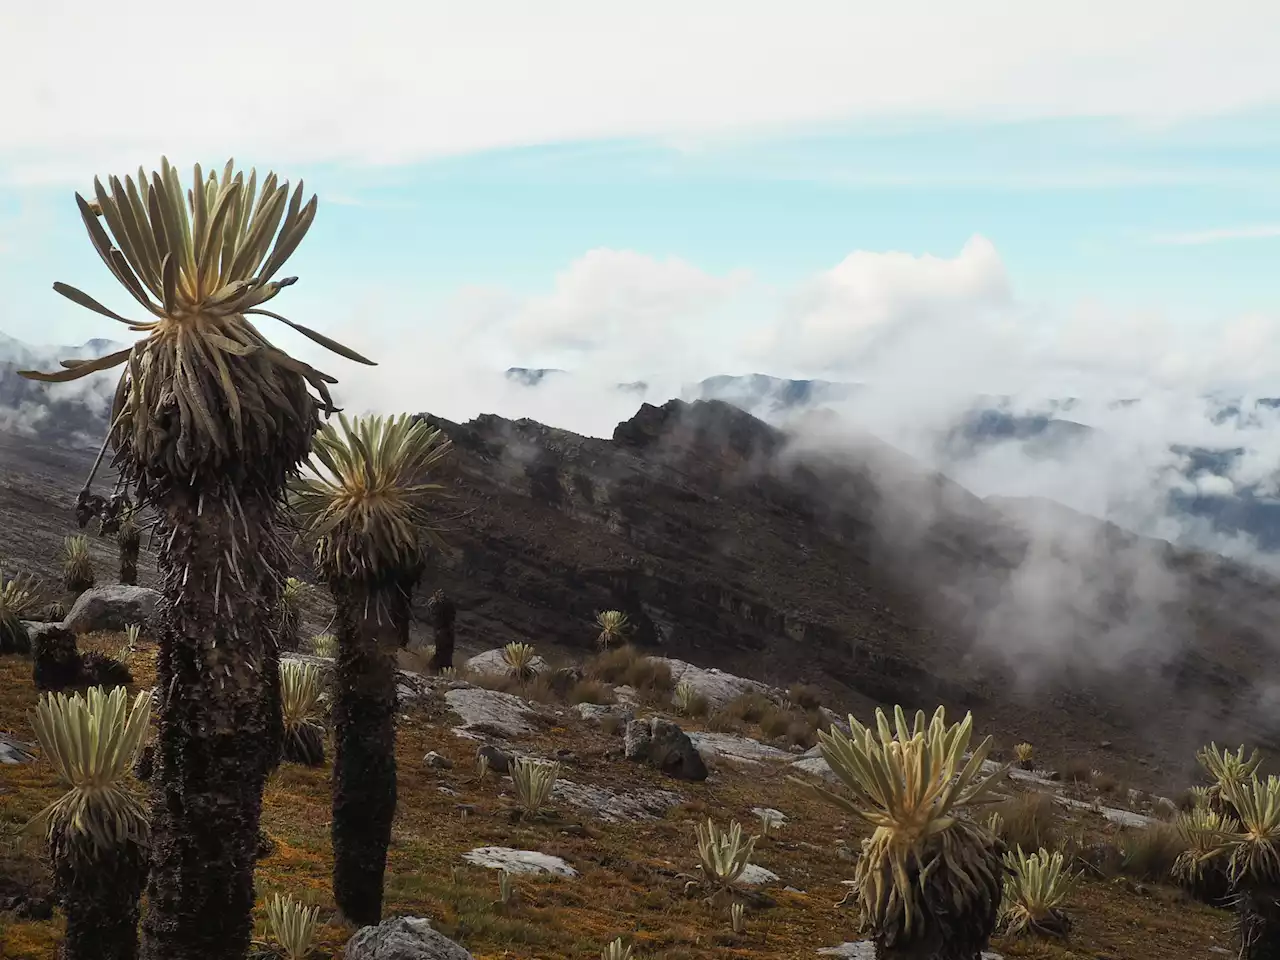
99 894
218 723
443 613
373 624
129 559
1258 919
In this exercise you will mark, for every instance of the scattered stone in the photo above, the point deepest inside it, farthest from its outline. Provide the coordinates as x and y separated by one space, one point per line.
816 766
663 745
611 807
1125 818
775 817
626 696
438 762
499 713
112 607
737 748
596 712
499 760
715 685
754 875
14 751
490 663
403 938
518 861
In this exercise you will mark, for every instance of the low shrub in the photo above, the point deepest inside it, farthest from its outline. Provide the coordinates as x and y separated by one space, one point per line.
805 696
1028 820
591 691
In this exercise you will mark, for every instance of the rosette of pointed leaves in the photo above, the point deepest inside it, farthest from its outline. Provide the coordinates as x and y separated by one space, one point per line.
77 566
202 391
534 780
1228 770
1034 890
293 925
1208 836
19 597
723 854
1255 848
617 950
92 742
613 626
922 861
301 689
519 659
364 499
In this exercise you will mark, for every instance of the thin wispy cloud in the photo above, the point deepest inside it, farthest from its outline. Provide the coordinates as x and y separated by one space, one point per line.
1195 238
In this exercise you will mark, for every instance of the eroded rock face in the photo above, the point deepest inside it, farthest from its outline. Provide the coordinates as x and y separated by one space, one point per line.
611 807
663 745
112 607
488 711
718 687
737 748
403 938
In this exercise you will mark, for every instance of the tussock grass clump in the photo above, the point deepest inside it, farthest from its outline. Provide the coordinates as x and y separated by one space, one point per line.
1150 853
1027 820
750 707
591 691
628 666
805 696
1034 890
77 566
1077 771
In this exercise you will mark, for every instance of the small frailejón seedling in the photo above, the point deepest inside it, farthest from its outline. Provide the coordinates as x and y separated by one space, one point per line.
926 877
292 925
723 856
19 598
97 831
519 660
534 781
77 566
685 698
482 767
617 950
1025 754
738 918
506 889
301 690
1034 890
614 627
324 645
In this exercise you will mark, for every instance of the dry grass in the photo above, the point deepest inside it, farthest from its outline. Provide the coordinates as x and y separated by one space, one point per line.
633 874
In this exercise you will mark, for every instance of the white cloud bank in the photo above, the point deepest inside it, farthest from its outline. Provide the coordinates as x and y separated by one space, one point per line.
392 80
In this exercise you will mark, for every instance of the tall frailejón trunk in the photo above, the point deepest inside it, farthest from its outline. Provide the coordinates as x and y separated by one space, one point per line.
442 613
1258 921
129 546
99 893
373 624
218 726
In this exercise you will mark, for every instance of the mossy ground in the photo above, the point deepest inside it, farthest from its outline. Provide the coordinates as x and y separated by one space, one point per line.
633 875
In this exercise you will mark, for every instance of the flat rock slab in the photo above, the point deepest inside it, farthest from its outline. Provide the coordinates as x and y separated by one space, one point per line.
634 806
14 751
112 607
775 817
737 748
754 875
715 685
491 663
866 950
490 711
817 767
597 712
403 938
1125 818
518 861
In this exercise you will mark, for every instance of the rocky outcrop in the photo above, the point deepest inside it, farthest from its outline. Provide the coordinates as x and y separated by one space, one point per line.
491 712
664 746
403 938
112 607
519 861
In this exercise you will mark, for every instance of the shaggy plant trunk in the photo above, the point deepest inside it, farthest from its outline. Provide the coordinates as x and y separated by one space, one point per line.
129 546
99 896
442 612
218 724
373 624
1258 920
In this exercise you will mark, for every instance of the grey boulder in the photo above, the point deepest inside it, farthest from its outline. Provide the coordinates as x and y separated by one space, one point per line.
403 938
112 607
663 745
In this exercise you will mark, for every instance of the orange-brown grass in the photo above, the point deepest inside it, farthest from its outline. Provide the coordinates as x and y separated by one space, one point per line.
633 874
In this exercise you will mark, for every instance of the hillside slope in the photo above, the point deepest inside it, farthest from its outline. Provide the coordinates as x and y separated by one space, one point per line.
845 565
